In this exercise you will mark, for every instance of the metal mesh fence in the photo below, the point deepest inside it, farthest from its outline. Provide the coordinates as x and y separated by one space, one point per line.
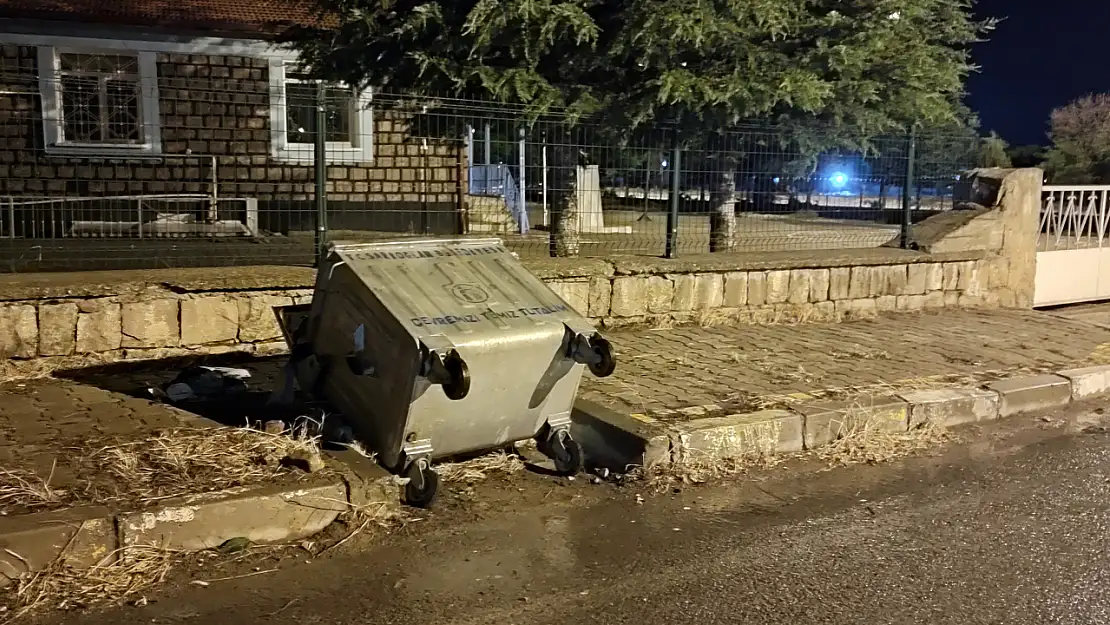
163 160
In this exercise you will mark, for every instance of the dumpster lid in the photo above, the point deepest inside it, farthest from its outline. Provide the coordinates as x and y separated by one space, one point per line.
449 285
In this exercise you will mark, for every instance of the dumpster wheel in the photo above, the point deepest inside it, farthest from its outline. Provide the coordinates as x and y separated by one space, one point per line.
458 386
423 484
566 453
606 363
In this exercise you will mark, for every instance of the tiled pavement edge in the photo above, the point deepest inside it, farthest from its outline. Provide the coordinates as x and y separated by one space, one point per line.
84 537
41 422
616 439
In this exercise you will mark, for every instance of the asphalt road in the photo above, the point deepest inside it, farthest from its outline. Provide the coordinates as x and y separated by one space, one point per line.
1008 528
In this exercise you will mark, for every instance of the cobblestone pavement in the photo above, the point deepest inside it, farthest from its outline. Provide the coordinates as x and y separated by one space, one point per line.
43 421
745 367
659 370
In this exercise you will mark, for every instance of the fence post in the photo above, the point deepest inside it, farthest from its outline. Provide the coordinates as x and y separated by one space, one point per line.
523 200
543 184
672 215
907 187
320 157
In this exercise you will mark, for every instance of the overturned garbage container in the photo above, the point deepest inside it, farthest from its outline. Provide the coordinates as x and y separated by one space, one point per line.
440 347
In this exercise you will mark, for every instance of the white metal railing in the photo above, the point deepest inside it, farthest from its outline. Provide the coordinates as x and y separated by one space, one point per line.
156 215
1074 217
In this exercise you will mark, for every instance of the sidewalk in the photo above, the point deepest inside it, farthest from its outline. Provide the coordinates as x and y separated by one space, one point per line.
743 368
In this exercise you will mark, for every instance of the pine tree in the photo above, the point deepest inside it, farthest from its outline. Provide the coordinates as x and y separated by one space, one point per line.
857 67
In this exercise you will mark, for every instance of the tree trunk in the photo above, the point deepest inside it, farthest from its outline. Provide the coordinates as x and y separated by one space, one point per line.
564 239
722 221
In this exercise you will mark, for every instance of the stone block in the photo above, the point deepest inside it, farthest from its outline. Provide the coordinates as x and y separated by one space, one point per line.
798 292
268 514
1088 381
896 279
685 294
951 299
778 287
879 281
973 278
601 293
917 278
629 296
966 275
576 293
911 303
934 277
738 436
998 272
823 311
839 282
856 308
951 276
19 331
859 285
1030 394
818 285
152 323
709 291
257 318
736 289
209 320
100 330
951 406
934 300
660 294
57 329
757 288
886 303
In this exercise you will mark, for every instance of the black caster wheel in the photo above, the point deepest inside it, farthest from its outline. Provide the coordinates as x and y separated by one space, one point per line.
567 454
423 485
458 386
606 363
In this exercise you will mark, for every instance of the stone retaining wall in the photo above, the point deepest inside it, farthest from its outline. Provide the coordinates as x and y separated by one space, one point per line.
166 319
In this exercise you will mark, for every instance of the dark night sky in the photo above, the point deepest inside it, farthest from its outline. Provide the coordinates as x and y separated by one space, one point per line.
1045 54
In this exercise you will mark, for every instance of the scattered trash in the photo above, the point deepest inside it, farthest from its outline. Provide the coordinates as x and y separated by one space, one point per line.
603 473
140 602
199 582
203 383
275 427
639 498
595 480
307 545
234 545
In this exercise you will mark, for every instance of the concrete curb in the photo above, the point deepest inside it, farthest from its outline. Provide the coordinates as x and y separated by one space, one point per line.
84 537
614 439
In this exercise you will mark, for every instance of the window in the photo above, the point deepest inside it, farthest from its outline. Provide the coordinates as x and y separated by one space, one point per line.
348 119
102 103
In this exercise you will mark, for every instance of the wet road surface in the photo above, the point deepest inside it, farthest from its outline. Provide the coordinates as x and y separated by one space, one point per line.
1008 528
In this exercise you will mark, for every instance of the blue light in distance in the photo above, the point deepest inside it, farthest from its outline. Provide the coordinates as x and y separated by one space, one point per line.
839 179
775 180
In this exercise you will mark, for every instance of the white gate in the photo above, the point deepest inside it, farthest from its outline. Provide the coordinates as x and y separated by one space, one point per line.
1073 254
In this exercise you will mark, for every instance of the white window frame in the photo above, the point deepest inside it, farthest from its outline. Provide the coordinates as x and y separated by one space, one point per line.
359 150
49 66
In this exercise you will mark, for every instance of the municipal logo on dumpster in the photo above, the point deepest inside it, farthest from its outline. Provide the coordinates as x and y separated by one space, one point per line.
469 293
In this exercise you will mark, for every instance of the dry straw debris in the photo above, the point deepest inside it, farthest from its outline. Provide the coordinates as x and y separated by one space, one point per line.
480 468
863 438
186 461
117 577
27 491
